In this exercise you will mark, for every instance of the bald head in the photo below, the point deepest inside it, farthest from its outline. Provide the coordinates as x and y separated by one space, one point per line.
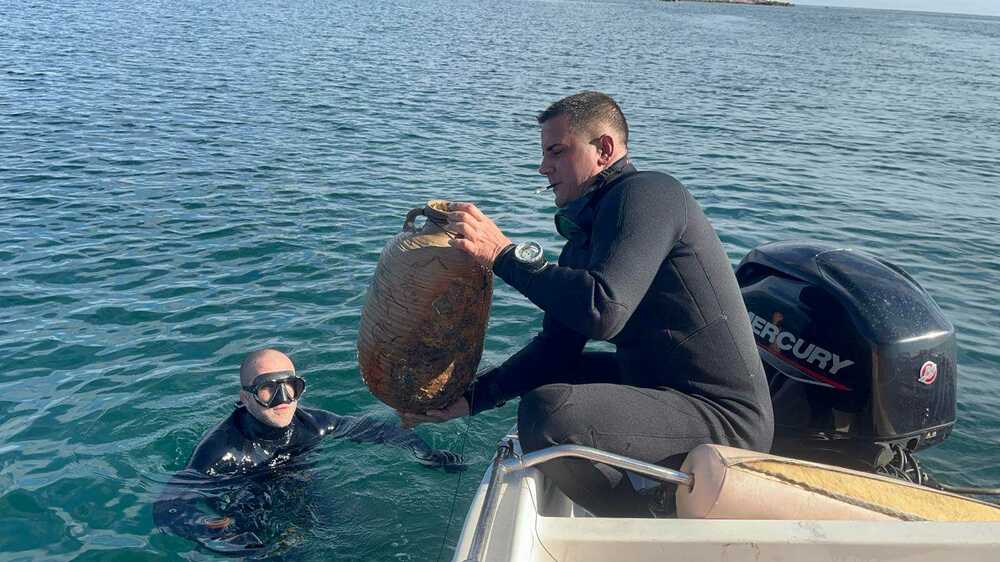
263 361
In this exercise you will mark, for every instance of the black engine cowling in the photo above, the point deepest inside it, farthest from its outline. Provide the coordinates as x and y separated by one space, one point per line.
860 359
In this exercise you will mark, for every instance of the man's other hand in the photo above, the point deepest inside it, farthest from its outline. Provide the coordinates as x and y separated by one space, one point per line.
476 234
457 409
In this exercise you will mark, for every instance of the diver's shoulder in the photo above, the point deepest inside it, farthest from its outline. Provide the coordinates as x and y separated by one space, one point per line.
216 444
315 417
651 179
648 189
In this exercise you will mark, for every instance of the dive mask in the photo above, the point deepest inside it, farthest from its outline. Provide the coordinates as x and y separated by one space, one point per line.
279 387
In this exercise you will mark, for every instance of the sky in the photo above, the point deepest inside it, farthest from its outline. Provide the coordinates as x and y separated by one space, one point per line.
982 7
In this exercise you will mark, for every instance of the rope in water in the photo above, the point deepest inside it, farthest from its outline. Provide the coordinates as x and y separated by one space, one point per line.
458 485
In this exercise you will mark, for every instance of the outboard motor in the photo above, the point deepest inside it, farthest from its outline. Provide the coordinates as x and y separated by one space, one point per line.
860 360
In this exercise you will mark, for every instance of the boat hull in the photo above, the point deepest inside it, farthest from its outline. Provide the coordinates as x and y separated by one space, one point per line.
531 520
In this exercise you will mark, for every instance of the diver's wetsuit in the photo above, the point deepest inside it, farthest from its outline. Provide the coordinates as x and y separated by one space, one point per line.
241 444
646 271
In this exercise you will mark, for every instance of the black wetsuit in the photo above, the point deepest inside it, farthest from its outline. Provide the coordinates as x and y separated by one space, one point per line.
645 271
242 445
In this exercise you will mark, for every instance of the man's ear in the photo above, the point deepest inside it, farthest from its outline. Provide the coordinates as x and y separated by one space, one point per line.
606 149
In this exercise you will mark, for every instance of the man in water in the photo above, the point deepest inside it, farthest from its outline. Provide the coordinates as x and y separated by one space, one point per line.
267 429
643 269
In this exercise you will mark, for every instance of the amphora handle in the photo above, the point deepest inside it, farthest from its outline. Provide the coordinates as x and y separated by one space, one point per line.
432 210
410 217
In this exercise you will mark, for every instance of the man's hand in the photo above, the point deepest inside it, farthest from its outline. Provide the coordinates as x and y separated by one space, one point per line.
223 539
217 523
457 409
477 234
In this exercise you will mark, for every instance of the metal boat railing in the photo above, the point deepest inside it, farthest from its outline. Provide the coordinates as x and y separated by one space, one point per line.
506 461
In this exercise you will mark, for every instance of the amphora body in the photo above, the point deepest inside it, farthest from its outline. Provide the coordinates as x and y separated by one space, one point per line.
424 321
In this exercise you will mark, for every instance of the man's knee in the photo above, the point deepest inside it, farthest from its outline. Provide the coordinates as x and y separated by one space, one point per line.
546 417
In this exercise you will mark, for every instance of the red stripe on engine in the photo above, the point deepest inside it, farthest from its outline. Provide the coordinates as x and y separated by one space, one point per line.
804 369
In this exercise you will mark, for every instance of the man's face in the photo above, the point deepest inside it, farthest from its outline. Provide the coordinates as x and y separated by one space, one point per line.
279 416
569 159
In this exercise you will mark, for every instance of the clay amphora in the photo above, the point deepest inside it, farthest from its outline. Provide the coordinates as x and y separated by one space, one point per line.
424 321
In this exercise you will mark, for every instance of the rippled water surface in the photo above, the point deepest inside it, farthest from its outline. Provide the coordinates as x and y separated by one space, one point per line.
181 182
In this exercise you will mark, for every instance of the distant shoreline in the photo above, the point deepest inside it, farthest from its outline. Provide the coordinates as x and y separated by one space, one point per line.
755 2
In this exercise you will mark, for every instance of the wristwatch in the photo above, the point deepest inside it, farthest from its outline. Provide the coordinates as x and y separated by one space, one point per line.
529 255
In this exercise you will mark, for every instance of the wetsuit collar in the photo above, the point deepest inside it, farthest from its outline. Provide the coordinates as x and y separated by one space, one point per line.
575 220
257 431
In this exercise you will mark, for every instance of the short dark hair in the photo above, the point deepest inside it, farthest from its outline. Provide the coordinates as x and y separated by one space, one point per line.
587 110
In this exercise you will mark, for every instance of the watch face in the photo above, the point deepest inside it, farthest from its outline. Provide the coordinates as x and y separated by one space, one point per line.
528 252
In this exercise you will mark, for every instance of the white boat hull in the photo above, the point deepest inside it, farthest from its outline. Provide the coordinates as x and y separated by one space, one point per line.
533 521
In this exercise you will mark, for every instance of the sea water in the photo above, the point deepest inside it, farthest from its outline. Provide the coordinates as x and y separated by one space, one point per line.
182 182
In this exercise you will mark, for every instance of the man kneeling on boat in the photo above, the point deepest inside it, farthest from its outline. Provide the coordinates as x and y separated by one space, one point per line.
643 269
266 431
